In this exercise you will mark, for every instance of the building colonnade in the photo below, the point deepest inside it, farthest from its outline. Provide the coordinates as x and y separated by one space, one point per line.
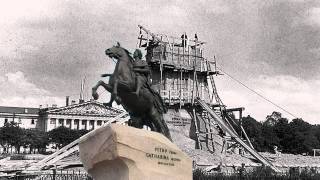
75 123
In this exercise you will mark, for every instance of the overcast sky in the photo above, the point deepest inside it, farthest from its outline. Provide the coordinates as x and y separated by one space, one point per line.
273 46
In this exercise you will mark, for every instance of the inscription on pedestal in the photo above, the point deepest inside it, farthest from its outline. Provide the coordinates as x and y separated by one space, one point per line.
163 156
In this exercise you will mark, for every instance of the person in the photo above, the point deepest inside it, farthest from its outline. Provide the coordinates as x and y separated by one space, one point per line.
143 80
142 71
184 38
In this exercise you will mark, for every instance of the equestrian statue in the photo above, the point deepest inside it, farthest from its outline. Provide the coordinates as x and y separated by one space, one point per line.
130 86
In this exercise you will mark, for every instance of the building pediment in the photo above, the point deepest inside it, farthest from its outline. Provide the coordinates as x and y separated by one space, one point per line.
92 108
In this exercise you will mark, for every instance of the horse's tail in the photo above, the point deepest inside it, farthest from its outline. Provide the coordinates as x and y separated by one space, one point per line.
165 128
158 102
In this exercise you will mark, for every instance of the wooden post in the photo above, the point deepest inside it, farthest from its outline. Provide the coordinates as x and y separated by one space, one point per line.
240 122
194 74
194 77
183 49
188 55
169 96
215 65
188 88
181 95
161 69
54 172
172 50
196 126
178 56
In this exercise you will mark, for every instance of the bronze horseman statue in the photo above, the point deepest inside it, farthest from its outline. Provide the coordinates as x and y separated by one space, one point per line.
130 86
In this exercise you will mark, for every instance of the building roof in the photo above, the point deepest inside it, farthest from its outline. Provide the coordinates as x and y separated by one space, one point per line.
88 108
18 110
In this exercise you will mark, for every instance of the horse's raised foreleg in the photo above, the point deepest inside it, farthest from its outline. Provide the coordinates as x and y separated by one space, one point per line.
114 93
94 93
107 87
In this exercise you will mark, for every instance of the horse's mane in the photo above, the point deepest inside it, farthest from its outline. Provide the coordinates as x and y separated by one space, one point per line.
129 54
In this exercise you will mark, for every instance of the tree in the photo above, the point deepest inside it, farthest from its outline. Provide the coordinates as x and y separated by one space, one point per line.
270 138
11 135
3 140
283 132
303 139
296 137
62 136
316 132
273 118
35 139
253 130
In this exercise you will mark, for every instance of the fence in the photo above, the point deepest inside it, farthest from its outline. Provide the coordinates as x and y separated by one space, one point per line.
259 173
54 175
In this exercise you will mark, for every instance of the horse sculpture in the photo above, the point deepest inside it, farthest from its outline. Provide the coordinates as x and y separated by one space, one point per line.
147 107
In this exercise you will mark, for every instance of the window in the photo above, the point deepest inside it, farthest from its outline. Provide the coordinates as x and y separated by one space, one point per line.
52 121
84 122
99 123
32 121
91 122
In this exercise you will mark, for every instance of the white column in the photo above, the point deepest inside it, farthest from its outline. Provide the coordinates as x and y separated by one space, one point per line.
72 124
80 124
95 124
56 124
47 122
88 124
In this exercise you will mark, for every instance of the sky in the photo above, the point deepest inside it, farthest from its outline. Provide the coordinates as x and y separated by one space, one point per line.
273 46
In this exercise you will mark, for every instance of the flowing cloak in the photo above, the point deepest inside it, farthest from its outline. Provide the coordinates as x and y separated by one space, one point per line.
142 72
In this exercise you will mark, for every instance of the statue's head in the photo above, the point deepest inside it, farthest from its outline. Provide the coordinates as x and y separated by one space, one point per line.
137 54
116 51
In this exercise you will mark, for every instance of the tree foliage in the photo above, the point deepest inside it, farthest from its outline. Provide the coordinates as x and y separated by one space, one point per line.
296 136
62 136
11 135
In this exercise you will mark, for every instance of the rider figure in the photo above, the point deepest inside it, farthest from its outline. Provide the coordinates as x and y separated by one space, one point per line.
142 71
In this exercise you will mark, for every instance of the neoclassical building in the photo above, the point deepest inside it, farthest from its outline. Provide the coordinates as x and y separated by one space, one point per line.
25 117
85 115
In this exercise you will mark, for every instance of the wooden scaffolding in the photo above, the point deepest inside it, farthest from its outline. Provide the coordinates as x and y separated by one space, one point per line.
185 79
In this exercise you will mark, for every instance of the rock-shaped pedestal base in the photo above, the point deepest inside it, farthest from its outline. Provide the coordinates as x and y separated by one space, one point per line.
119 152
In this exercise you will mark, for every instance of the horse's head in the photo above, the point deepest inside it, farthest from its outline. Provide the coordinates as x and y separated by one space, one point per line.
117 52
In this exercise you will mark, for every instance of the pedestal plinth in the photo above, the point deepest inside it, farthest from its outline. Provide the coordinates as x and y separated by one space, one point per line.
119 152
